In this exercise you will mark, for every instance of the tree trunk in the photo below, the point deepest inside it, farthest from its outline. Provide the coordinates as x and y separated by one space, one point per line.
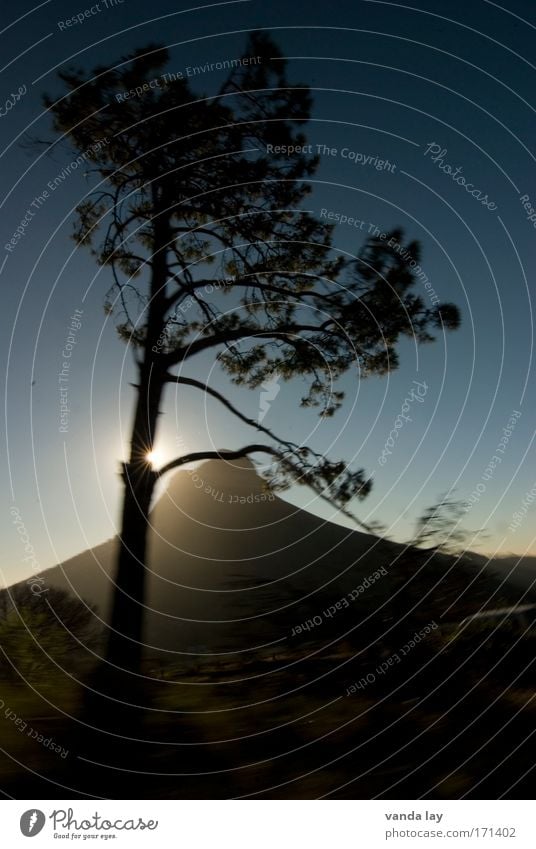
125 640
124 645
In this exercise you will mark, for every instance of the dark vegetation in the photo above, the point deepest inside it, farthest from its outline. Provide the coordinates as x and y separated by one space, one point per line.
453 718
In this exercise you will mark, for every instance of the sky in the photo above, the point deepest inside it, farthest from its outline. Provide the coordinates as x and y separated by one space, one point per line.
430 87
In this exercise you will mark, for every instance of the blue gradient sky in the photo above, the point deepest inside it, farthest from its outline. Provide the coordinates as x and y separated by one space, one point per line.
388 79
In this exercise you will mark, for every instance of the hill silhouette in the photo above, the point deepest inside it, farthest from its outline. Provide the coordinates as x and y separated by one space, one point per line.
233 568
230 564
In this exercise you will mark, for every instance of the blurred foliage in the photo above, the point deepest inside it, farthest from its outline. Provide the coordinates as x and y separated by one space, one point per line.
439 527
42 634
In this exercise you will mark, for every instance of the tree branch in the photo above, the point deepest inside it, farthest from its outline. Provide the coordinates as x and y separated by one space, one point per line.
194 456
255 284
187 381
282 333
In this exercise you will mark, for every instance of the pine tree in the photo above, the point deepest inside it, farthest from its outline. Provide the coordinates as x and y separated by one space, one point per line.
199 220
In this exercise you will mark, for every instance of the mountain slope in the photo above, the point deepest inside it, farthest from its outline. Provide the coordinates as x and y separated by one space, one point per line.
230 566
234 569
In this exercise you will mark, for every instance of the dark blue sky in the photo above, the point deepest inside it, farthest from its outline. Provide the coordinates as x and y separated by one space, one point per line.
389 80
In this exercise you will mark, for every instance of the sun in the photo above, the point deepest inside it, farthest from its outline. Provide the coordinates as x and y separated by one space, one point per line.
154 457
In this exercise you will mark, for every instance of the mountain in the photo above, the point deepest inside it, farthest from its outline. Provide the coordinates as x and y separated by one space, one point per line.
230 565
233 568
517 569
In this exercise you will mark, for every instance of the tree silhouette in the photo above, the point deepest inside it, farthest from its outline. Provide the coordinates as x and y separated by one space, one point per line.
196 212
440 528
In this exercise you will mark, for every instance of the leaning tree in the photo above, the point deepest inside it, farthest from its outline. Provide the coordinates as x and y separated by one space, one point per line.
195 211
